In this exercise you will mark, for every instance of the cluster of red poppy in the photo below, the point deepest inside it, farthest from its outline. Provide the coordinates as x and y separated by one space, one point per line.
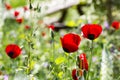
17 13
70 43
13 50
82 66
116 24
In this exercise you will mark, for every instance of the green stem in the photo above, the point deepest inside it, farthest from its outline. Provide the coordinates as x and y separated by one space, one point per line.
29 60
53 48
118 78
91 51
67 66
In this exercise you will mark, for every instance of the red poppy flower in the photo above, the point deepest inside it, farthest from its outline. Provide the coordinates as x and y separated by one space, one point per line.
74 76
19 20
82 62
51 27
27 27
13 50
25 8
116 24
8 6
70 42
91 31
16 13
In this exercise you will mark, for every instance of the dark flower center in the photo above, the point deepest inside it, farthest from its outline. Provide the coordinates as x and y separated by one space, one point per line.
91 36
66 50
11 54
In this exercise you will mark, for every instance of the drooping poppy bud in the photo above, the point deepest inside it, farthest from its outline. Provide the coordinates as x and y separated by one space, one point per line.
19 20
16 13
91 31
82 62
116 24
13 50
70 42
8 6
74 74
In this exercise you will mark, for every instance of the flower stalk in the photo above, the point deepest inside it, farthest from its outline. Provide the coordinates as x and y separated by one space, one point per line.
91 52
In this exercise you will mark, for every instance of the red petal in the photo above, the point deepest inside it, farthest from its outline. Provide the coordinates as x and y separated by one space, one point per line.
72 38
85 30
69 47
76 38
95 29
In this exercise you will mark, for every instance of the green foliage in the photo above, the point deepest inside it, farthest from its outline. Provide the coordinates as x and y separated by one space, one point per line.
18 3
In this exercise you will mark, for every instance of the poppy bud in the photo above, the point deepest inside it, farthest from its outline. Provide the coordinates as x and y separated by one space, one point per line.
82 62
74 76
51 27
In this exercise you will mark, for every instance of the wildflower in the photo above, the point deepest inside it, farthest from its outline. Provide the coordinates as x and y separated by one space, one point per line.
91 31
19 20
27 27
116 24
70 42
16 13
13 50
8 6
25 8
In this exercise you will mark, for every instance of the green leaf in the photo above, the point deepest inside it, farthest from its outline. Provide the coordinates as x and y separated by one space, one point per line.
17 3
59 60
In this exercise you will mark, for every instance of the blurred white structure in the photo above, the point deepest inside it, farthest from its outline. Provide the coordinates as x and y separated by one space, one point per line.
46 7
